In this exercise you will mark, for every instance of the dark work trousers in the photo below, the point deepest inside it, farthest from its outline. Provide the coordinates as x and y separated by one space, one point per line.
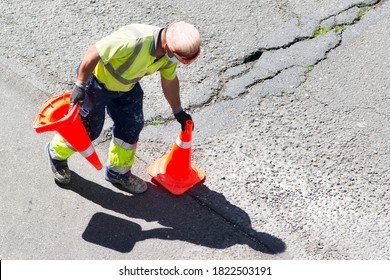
125 109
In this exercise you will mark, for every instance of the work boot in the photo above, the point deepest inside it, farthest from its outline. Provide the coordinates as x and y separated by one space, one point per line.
127 181
60 169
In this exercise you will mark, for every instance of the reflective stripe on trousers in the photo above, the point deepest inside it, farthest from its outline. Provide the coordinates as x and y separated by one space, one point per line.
121 155
60 149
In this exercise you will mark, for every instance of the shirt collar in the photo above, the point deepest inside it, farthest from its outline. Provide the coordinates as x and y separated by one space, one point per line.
156 35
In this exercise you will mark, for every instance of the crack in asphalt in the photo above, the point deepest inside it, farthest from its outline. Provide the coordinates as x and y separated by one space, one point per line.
236 226
249 61
254 57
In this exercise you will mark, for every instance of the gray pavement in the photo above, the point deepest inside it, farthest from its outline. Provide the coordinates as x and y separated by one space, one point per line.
90 219
291 129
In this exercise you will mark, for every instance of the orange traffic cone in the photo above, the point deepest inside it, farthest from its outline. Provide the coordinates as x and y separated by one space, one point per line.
54 116
175 171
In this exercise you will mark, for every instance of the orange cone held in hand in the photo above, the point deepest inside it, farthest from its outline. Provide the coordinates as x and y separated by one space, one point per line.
175 171
54 115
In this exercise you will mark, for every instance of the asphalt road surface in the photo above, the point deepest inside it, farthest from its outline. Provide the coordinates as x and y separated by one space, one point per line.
290 101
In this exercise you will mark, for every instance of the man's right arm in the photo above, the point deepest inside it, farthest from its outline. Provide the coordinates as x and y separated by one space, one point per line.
90 60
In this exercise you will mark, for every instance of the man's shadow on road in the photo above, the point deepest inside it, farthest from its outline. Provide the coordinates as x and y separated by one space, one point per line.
201 216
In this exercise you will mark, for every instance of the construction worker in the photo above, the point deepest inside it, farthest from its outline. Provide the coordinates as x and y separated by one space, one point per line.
108 77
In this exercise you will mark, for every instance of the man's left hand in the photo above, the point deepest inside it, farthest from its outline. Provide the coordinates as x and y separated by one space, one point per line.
182 117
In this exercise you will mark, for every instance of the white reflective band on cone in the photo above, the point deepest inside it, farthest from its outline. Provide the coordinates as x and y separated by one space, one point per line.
182 144
89 151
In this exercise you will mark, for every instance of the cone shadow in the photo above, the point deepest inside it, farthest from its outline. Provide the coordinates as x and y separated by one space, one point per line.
112 232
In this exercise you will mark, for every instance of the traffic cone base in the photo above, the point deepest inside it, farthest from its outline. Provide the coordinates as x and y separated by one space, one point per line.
176 186
175 171
54 115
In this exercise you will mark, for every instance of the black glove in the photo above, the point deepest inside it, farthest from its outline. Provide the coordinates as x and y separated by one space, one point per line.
78 94
182 117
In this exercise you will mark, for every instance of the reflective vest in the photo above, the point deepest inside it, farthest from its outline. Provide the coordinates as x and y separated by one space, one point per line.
129 54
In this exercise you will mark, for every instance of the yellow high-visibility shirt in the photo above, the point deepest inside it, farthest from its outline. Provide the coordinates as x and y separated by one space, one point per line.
127 55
